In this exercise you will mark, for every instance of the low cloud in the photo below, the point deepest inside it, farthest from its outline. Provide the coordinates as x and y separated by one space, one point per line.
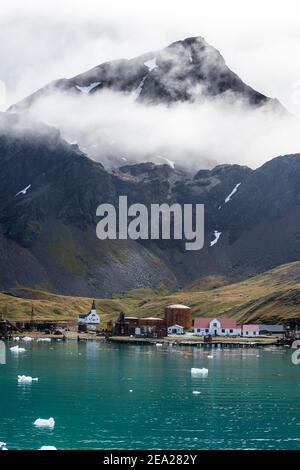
109 125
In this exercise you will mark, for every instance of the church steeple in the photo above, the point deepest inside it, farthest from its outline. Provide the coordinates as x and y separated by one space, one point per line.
94 306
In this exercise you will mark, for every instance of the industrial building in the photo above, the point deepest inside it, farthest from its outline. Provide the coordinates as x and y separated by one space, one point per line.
178 314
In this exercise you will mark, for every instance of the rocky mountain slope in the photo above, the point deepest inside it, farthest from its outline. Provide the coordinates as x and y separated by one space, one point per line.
49 192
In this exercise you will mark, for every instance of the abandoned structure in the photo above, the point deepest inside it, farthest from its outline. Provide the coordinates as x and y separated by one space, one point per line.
179 315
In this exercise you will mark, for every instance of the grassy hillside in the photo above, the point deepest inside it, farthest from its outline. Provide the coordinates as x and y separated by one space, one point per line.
272 296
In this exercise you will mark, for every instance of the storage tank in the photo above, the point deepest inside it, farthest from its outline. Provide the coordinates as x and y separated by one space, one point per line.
178 314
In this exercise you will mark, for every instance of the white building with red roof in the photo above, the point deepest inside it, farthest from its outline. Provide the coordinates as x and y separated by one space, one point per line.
222 326
250 331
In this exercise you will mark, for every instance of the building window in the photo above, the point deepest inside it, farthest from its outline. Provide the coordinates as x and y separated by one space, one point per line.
223 331
254 333
246 332
198 330
207 330
215 325
230 331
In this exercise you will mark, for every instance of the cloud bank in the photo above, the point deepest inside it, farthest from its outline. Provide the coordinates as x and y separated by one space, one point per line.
110 125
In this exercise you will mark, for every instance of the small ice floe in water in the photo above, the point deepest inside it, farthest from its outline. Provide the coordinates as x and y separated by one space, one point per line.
23 191
16 338
44 423
151 64
130 391
3 446
195 392
24 379
195 371
159 345
27 339
44 340
16 349
87 89
217 236
232 193
48 448
210 356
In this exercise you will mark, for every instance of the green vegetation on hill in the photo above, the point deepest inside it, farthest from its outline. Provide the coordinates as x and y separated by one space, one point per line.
270 297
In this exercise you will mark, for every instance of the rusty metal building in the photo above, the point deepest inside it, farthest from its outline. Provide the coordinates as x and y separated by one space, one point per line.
178 314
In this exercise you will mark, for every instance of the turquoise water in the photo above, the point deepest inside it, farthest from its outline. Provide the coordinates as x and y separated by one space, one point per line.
249 400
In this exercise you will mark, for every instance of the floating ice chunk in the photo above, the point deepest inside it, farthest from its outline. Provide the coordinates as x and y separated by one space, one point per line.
48 448
151 64
232 193
210 356
24 379
44 340
16 338
17 350
195 392
159 345
130 391
27 339
195 371
217 236
44 423
3 446
87 89
23 191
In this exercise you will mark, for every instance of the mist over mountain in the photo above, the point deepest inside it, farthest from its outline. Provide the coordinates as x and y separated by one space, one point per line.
50 190
181 104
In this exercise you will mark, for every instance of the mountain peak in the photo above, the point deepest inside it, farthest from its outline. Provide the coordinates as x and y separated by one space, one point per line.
186 70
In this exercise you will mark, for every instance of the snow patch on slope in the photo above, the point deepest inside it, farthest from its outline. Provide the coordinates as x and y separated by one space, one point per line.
151 64
216 239
169 162
138 90
232 193
23 191
87 89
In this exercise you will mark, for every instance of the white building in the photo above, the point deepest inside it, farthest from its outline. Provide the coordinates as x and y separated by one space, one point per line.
90 318
221 326
250 331
175 330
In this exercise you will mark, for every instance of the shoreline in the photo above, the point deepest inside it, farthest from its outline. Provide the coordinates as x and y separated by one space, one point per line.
174 341
192 343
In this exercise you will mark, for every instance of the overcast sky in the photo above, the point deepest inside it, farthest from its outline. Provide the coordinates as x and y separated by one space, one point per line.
44 40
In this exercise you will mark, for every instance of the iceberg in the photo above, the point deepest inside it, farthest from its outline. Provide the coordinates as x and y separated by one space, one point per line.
24 379
27 339
44 423
48 448
195 371
45 340
16 349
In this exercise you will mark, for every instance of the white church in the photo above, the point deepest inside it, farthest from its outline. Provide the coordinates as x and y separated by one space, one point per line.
90 318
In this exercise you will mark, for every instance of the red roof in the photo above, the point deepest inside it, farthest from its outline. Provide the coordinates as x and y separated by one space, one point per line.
250 327
203 322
